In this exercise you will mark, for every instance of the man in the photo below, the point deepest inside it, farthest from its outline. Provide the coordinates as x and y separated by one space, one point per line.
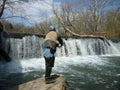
2 51
52 41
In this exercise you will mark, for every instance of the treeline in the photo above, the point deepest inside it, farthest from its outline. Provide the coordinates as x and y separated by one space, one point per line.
86 17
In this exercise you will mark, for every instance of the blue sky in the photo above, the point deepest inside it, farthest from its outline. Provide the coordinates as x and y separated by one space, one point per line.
65 0
35 11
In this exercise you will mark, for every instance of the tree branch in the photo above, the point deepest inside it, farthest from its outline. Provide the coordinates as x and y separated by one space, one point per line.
2 8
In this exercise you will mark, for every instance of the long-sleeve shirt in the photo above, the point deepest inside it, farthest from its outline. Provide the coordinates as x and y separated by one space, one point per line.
52 40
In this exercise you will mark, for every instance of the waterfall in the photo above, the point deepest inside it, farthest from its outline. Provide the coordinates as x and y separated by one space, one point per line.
27 55
27 47
31 47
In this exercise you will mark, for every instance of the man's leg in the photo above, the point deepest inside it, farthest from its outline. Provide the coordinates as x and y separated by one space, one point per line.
48 78
48 70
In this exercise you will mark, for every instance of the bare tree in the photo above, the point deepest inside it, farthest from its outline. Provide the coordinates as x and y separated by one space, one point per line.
70 20
12 10
2 7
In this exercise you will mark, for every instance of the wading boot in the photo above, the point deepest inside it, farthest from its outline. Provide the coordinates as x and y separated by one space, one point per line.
48 78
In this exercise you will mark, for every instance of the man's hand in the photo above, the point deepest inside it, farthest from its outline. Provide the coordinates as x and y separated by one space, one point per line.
59 45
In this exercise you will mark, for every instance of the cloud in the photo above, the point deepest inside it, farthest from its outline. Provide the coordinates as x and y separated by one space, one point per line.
34 11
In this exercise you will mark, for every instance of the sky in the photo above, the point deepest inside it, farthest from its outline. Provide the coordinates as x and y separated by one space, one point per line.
32 11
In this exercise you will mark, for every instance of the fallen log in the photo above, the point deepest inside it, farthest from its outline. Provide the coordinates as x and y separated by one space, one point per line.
83 36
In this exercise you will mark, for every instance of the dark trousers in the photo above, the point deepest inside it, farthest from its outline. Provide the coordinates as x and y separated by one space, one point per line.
49 64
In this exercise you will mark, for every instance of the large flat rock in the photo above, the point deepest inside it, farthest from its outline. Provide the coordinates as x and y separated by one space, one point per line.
39 84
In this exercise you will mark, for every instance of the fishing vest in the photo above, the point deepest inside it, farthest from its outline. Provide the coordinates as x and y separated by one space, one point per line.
52 35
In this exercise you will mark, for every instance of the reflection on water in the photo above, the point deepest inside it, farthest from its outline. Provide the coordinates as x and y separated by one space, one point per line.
82 73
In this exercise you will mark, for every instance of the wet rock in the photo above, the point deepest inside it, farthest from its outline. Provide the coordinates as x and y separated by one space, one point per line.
39 84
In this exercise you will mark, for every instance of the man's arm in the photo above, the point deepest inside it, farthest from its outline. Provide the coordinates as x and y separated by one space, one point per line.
60 40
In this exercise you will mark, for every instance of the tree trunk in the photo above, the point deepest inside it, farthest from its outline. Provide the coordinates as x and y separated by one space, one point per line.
2 8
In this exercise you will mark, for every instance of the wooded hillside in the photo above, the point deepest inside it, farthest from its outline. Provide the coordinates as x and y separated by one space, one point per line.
83 18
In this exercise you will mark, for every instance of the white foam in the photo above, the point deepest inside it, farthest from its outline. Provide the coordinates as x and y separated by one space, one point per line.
61 63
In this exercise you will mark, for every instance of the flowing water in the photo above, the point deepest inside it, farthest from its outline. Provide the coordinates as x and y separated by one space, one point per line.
87 64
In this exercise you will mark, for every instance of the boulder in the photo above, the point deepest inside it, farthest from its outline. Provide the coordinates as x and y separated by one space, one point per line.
39 84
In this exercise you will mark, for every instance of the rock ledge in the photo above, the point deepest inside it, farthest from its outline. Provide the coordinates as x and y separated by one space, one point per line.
39 84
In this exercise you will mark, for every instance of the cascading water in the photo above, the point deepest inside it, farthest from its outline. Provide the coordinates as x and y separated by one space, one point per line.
75 55
31 47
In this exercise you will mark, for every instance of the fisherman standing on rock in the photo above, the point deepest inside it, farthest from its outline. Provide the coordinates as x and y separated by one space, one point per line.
52 41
